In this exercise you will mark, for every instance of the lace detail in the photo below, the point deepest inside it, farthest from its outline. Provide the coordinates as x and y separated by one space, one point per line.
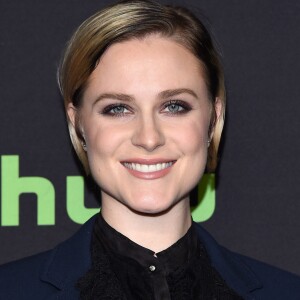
117 277
199 280
100 282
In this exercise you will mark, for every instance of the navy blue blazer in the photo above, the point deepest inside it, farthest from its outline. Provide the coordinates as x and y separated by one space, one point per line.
53 274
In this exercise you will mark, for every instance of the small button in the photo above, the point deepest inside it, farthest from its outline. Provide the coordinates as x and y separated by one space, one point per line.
152 268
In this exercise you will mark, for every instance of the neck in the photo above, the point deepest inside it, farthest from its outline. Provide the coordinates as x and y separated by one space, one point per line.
155 232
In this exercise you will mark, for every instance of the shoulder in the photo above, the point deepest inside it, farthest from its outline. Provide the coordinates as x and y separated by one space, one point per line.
50 274
21 279
251 278
275 283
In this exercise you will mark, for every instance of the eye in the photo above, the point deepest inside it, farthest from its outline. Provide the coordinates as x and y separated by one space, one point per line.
116 110
176 107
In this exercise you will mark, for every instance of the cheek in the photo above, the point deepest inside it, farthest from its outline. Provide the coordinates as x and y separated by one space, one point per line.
193 137
100 147
103 140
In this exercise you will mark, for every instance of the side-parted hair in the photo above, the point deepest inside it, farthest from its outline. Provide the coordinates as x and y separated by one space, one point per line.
134 19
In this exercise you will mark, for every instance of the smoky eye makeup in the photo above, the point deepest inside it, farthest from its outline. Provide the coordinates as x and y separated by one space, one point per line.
175 107
171 107
116 110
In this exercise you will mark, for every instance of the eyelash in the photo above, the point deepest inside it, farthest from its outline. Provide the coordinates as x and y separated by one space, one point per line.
183 106
107 110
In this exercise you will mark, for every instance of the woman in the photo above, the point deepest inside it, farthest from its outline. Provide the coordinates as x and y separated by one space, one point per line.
144 96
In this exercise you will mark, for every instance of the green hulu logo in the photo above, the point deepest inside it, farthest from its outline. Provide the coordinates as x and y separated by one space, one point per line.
12 186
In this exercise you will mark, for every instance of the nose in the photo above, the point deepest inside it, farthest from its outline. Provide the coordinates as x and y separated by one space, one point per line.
148 134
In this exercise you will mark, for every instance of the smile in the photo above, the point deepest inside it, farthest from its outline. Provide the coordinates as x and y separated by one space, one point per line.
143 168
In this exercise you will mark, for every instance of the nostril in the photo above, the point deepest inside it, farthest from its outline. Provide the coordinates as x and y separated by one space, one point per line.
148 136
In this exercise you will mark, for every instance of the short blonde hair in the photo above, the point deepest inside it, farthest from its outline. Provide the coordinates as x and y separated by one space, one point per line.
137 19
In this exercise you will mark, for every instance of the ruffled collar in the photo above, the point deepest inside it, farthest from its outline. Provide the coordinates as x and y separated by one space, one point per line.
120 270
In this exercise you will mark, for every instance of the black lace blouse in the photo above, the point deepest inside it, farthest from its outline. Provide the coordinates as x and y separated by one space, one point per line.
122 269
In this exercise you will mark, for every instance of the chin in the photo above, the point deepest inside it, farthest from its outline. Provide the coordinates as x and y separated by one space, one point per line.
150 211
151 206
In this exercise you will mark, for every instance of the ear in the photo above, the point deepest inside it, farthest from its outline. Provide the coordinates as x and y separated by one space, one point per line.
72 114
217 113
218 106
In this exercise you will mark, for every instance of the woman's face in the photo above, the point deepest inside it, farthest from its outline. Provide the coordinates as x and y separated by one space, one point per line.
145 117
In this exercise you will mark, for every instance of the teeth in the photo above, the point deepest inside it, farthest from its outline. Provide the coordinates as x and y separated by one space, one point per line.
147 168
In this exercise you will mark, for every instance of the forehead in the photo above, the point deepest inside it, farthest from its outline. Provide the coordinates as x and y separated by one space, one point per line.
152 63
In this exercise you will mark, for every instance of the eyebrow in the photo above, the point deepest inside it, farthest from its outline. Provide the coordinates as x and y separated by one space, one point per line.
162 95
172 93
115 96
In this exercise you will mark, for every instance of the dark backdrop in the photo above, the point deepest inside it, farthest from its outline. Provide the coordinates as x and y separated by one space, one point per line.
258 187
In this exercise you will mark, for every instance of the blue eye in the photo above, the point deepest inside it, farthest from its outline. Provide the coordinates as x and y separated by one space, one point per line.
115 110
118 109
174 107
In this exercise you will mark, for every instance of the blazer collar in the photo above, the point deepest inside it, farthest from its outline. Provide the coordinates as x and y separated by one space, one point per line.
231 267
71 259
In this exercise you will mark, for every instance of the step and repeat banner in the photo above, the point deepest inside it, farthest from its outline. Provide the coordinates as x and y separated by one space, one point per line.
251 205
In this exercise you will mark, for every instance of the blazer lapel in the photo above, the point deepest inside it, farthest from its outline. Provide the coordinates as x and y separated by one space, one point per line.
71 259
68 262
233 270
